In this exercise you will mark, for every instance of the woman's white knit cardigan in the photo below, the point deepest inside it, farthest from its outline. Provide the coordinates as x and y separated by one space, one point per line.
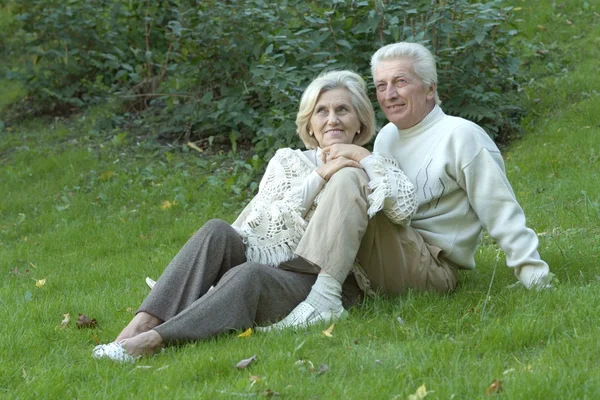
274 221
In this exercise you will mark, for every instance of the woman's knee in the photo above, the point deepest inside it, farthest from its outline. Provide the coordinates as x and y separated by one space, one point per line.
349 177
248 272
217 227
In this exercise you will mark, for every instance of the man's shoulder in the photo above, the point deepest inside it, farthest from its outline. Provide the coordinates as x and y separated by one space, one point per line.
464 130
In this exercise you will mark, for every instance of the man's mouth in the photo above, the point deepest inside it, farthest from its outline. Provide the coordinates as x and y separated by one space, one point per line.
395 106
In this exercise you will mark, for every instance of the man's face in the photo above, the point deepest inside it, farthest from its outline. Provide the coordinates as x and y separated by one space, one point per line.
401 94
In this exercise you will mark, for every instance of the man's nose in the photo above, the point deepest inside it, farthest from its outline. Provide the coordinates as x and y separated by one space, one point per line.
391 92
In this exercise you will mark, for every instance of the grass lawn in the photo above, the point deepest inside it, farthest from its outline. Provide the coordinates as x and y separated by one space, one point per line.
84 217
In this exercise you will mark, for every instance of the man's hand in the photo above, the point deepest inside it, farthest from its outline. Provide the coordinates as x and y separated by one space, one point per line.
349 151
331 167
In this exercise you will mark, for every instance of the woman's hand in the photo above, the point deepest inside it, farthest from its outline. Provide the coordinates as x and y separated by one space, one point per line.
330 167
348 151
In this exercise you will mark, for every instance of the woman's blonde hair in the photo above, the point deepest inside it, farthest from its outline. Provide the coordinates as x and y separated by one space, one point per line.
357 87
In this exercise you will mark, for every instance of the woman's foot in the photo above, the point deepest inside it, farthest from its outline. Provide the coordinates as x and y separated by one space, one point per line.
144 344
142 322
129 350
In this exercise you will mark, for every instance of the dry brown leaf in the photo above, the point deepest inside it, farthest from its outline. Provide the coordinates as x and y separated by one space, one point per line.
66 320
495 387
83 321
245 362
246 333
327 332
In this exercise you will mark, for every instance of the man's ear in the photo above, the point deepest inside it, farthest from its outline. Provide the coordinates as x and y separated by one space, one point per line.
431 91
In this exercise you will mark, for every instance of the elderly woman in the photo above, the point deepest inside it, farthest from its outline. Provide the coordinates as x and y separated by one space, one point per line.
285 252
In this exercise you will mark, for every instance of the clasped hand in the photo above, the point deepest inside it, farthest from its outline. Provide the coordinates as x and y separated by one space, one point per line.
338 156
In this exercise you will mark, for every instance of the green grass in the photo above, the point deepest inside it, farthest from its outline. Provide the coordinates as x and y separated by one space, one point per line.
82 209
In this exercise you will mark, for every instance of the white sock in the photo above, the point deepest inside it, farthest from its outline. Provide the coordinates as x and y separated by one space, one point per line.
326 294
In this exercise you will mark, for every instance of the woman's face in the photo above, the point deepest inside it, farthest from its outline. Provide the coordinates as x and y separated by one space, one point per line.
334 119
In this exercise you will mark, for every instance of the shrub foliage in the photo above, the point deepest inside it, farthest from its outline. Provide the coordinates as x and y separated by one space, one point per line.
233 71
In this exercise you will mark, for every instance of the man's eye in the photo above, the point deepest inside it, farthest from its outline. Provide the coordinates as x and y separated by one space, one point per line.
381 88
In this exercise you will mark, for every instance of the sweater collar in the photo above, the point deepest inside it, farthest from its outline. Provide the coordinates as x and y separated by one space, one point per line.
430 119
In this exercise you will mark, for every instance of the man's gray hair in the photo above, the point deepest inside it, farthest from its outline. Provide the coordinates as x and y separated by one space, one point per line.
423 61
357 87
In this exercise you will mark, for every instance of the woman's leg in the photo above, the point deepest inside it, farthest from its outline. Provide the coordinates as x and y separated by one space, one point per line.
336 228
247 294
204 259
331 241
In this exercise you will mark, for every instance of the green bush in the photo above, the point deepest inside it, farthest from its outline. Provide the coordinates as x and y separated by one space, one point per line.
233 71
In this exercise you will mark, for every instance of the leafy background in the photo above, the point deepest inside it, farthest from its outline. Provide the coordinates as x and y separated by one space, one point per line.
231 73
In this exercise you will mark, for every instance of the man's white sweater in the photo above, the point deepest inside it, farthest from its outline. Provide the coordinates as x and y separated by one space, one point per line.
458 173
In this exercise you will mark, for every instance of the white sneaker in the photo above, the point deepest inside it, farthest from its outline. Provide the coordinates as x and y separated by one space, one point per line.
303 316
150 282
113 351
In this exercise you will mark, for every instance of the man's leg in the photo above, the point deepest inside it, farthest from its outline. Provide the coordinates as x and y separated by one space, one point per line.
396 258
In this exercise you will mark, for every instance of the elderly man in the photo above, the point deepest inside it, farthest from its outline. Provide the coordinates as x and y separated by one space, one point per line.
457 170
461 188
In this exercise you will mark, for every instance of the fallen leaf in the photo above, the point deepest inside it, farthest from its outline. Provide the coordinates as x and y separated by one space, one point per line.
254 379
96 339
568 22
106 175
245 362
323 369
421 393
65 321
495 387
40 283
83 321
246 333
166 204
192 145
302 363
327 332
